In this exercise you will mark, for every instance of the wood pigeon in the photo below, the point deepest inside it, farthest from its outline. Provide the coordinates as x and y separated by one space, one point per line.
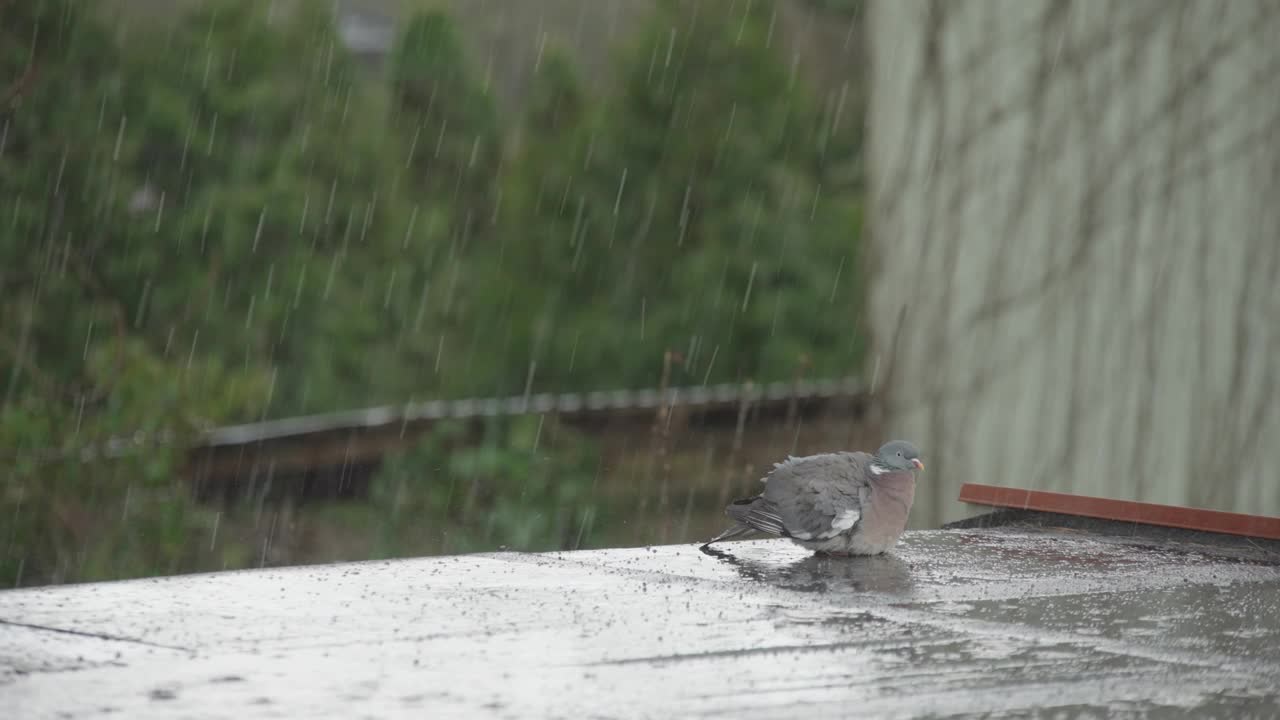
845 503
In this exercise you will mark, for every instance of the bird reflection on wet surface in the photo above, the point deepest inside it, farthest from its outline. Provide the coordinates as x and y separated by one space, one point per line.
948 623
820 573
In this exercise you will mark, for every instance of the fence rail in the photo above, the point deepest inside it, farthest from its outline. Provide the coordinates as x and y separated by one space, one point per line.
728 395
349 445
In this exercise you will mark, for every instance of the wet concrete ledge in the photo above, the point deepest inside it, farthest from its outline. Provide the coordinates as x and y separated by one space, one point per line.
956 622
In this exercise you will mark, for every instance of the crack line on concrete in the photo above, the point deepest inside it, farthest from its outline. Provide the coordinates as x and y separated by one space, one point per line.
95 635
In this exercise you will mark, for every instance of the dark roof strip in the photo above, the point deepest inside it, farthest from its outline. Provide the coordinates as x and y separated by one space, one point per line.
1123 510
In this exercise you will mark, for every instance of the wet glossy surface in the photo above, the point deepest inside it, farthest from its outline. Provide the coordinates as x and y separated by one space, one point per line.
955 623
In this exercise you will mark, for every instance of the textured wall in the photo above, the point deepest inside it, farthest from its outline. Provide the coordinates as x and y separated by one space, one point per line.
1077 220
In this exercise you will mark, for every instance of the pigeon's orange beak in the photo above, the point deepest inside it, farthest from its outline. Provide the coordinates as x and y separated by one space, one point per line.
919 465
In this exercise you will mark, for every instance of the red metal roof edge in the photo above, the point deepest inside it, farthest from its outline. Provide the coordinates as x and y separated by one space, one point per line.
1123 510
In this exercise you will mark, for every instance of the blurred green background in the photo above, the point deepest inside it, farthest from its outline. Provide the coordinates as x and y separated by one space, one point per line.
215 213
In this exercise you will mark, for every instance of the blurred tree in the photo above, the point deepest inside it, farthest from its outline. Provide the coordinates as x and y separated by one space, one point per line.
689 212
515 488
451 150
76 368
225 222
286 210
454 145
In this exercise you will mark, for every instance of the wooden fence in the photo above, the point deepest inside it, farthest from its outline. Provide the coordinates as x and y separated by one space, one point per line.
335 454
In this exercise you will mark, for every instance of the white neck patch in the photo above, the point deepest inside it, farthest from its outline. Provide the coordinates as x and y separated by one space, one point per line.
878 469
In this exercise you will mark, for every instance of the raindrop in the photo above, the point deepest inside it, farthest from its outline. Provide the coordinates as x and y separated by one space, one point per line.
408 231
213 536
710 364
591 150
328 282
368 216
653 61
537 436
750 281
159 212
444 125
422 307
413 146
80 402
266 541
844 93
257 234
853 22
391 284
302 217
528 386
302 281
62 166
213 133
836 284
204 228
191 356
622 184
542 46
142 304
115 154
128 500
84 356
684 215
742 27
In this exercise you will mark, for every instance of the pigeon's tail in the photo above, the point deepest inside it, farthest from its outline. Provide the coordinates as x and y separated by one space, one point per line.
738 510
737 530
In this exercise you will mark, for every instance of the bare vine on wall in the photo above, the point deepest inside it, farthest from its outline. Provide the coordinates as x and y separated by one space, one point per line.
1070 200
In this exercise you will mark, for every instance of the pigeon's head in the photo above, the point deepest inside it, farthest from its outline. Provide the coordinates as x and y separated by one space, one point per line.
899 455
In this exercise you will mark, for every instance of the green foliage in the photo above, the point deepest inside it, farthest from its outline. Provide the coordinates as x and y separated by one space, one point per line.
517 488
556 101
77 369
285 212
695 211
446 120
229 221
